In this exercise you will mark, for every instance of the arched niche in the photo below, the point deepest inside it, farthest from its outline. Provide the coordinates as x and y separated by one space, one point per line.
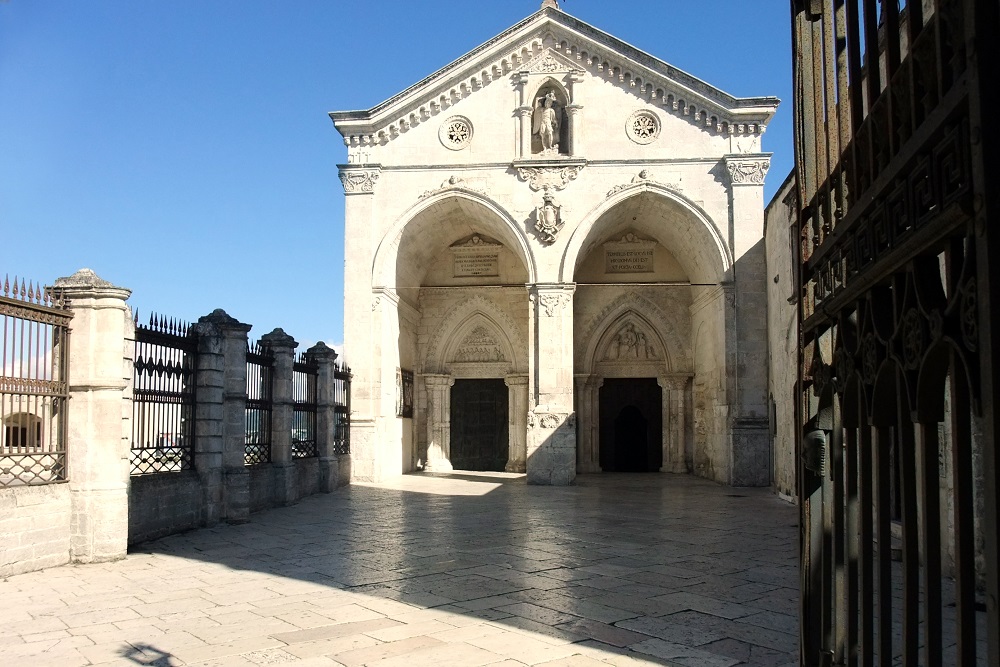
560 100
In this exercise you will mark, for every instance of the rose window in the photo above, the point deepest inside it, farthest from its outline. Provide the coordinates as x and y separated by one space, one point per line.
643 127
456 133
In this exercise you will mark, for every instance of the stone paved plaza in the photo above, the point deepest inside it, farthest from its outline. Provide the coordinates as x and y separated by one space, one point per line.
460 569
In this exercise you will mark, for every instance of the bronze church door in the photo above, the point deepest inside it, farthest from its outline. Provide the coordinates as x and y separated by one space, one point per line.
479 425
631 425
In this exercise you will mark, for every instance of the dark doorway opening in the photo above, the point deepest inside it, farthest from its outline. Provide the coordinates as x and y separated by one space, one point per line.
631 428
479 425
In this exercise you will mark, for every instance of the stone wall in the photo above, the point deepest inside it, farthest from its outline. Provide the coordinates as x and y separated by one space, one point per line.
782 336
101 510
160 505
34 528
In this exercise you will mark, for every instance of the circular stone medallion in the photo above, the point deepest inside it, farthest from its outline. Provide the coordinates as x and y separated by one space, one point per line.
456 133
643 127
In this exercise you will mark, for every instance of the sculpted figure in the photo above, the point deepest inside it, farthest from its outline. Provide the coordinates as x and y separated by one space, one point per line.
545 122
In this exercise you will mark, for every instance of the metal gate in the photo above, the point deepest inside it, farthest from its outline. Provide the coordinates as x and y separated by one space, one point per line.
479 410
898 193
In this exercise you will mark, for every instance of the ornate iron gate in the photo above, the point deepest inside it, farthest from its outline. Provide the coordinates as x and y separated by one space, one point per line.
897 358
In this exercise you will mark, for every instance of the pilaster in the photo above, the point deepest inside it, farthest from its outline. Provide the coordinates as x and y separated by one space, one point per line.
282 410
360 344
438 422
588 423
551 447
674 421
99 415
517 387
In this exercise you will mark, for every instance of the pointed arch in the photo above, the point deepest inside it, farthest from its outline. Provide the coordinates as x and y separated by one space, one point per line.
461 320
683 227
488 215
654 321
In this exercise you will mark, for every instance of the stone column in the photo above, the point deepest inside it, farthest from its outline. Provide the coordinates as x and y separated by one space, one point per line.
551 422
517 399
361 346
438 422
220 417
99 415
524 129
674 423
326 418
574 117
282 409
587 423
747 354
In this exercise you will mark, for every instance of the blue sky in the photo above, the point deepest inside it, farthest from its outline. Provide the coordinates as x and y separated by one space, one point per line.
181 148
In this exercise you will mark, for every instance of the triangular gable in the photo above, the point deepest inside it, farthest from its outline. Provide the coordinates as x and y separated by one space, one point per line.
552 38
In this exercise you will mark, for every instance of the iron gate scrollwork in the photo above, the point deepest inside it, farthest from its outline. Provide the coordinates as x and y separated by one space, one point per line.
897 362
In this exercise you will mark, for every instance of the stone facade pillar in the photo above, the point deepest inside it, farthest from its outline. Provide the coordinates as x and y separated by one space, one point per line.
330 469
517 387
573 116
99 414
588 389
282 409
524 128
747 354
220 417
551 420
674 422
438 422
361 345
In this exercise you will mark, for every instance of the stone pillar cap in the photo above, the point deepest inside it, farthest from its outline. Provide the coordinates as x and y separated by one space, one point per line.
278 338
222 319
322 351
85 280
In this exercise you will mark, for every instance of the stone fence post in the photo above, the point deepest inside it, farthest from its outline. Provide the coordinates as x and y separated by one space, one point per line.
99 415
220 417
330 469
282 410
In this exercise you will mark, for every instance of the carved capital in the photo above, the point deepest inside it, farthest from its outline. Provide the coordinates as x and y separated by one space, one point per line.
744 170
359 180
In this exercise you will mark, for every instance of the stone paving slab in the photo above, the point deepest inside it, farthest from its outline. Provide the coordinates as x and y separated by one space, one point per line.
465 569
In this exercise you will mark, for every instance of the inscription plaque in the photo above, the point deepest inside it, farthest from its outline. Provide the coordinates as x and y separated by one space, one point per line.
629 255
468 266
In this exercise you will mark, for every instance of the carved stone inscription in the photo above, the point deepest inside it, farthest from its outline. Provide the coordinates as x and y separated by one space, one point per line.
472 265
476 256
630 255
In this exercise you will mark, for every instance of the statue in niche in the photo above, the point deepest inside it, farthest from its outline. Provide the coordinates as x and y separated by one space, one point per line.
630 343
545 122
548 218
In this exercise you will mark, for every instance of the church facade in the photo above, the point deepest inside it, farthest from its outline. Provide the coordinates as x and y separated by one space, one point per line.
555 264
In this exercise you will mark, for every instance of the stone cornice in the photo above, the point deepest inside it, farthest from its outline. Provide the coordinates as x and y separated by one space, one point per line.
747 169
572 40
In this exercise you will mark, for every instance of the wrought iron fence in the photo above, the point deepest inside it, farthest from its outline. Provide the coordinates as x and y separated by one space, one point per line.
260 381
163 396
342 400
33 385
304 374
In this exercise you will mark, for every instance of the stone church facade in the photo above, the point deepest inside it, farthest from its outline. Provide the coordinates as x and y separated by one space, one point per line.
555 264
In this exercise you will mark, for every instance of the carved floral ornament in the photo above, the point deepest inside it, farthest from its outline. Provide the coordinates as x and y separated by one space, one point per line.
553 304
543 178
748 171
453 183
359 181
456 133
550 420
643 178
643 127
